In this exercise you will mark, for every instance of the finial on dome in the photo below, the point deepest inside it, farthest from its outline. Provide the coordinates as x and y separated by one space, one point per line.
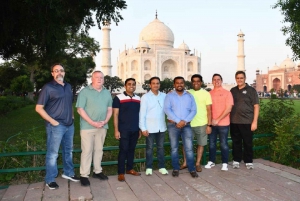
156 14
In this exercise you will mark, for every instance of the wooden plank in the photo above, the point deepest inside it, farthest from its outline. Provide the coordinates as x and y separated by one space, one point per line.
121 189
183 189
78 192
243 179
276 191
279 166
60 194
35 191
15 193
101 190
162 189
213 176
205 188
2 192
141 189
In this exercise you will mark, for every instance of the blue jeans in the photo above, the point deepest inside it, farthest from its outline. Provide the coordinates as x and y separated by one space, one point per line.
56 136
159 138
127 144
186 135
222 131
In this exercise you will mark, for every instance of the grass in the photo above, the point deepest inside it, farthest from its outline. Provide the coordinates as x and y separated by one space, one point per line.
295 101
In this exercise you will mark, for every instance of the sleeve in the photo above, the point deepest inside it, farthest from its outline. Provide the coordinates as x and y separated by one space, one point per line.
229 99
143 112
116 102
193 112
168 109
208 99
81 100
110 101
254 97
43 96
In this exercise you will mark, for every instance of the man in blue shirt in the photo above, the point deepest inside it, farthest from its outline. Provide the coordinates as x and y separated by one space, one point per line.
180 108
55 106
152 124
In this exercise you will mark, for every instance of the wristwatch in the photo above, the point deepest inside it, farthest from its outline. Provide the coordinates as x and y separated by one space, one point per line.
209 125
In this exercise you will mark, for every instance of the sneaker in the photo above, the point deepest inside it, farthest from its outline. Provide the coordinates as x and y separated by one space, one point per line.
163 171
235 165
175 173
100 176
148 171
209 165
84 181
194 174
73 178
52 185
224 167
249 166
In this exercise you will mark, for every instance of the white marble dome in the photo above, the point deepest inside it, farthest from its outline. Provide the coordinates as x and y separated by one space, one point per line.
157 33
287 63
275 67
142 44
184 46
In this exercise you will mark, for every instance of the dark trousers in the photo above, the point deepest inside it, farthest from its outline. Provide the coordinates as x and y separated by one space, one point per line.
242 136
127 146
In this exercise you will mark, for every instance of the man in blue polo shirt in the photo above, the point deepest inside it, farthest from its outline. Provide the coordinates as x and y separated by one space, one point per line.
180 108
126 107
55 106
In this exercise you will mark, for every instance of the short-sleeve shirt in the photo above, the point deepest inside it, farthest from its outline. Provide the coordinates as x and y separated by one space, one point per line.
244 100
57 101
202 99
95 104
221 98
129 108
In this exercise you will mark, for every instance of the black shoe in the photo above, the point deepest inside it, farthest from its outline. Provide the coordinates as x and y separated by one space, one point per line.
100 176
175 173
52 185
194 174
84 181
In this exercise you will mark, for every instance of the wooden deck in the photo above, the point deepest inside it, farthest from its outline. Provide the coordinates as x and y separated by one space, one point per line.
267 181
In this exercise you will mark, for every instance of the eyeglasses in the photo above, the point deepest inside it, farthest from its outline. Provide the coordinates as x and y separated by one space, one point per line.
56 71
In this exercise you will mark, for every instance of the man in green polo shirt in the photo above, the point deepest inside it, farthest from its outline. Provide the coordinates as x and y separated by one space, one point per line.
94 104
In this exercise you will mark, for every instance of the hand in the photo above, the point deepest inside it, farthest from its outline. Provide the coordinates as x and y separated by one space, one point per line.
54 123
140 134
253 126
215 122
181 124
208 130
117 135
97 124
145 133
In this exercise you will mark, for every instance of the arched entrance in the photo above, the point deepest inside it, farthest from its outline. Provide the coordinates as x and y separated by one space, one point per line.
289 87
169 69
276 84
265 88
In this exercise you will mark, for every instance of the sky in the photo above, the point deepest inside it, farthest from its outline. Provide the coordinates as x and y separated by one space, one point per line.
211 28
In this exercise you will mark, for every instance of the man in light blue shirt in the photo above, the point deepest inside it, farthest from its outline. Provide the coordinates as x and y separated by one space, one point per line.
180 108
152 124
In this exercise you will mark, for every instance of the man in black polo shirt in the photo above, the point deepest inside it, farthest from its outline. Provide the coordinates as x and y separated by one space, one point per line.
243 120
55 106
126 107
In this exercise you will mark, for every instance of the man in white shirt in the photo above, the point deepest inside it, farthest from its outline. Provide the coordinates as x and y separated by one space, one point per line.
152 124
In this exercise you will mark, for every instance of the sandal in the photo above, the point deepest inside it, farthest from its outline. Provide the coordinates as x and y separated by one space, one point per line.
183 167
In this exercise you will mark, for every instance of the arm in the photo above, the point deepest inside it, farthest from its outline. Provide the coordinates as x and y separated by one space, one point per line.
142 116
255 118
208 111
116 123
193 112
168 109
40 109
224 114
108 115
86 117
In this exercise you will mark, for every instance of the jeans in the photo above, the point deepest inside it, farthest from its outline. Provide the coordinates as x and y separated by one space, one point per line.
159 138
186 135
222 131
127 144
56 136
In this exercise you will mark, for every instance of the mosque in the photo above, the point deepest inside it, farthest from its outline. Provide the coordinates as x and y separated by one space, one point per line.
279 77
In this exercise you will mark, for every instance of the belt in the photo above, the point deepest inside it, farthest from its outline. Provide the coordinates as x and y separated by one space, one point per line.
173 122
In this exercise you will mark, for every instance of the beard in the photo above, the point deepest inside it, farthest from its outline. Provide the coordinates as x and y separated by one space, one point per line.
60 78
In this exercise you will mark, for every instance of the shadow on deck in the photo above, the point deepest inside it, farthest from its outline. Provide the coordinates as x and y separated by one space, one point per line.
267 181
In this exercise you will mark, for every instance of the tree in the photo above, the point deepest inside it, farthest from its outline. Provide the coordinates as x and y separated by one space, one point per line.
290 9
113 83
146 85
296 87
166 85
21 85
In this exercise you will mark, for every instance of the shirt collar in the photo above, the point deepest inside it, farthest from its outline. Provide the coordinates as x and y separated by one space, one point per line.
128 95
154 94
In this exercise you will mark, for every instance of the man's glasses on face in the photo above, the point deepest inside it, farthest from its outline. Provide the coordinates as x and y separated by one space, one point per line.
56 70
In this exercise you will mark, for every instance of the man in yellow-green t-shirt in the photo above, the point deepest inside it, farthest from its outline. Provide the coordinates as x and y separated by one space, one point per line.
201 124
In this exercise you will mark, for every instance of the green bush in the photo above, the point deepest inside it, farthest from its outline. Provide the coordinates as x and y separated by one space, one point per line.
9 103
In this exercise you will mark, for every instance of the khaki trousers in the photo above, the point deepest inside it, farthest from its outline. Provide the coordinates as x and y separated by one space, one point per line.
92 148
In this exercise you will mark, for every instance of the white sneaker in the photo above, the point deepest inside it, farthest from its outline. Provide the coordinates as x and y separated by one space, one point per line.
148 171
224 167
235 165
163 171
249 166
209 165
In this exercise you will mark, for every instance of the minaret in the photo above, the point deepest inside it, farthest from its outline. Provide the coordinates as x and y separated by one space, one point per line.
241 55
106 50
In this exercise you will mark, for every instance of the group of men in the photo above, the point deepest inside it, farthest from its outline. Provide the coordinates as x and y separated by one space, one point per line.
195 112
